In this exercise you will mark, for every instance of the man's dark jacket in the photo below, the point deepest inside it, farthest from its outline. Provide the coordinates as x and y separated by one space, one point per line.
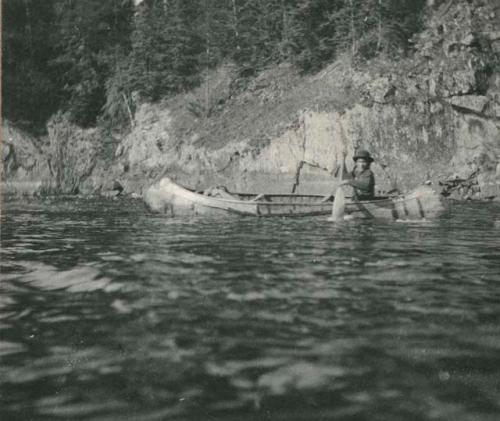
363 184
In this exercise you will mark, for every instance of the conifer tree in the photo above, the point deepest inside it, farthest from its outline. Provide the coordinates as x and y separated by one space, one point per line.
90 35
94 57
166 47
30 91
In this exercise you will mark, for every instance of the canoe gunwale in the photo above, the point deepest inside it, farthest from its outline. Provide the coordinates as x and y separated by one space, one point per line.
417 204
377 200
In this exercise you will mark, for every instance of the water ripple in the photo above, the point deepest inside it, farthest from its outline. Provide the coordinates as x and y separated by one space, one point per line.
110 313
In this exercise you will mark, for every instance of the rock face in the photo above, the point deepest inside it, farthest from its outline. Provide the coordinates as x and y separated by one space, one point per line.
25 167
434 117
61 162
408 150
470 103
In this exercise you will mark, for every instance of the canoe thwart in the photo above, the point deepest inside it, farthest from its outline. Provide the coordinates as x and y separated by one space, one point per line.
168 197
260 196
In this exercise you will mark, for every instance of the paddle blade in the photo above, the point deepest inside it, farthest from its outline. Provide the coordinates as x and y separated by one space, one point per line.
338 208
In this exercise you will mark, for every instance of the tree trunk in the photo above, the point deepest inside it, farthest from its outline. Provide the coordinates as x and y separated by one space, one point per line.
285 33
379 32
235 25
28 26
207 52
353 30
129 111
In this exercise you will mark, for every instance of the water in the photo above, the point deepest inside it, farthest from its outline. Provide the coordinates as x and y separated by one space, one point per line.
110 313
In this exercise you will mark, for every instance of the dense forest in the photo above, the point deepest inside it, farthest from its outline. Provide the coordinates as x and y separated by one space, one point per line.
96 59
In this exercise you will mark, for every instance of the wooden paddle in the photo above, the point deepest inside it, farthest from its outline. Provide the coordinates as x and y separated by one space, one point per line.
338 207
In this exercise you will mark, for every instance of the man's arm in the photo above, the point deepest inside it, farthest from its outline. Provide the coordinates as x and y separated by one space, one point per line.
364 182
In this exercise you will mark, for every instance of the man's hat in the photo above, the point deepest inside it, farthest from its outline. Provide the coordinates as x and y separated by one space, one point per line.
362 154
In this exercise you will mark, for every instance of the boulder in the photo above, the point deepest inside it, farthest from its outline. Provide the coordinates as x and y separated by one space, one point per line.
494 36
474 103
381 90
119 150
468 40
489 185
496 111
459 82
436 108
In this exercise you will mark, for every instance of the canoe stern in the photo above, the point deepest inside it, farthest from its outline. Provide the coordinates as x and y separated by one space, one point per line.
424 202
171 199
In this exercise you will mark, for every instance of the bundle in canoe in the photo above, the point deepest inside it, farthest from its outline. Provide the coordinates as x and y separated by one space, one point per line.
172 199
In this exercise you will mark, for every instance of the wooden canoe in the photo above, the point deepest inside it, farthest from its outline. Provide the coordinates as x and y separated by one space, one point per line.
172 199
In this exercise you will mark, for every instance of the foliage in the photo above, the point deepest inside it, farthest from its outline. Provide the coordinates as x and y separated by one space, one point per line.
95 59
166 48
29 92
90 36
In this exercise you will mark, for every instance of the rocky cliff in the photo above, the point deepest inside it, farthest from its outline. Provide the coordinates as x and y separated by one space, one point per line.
68 160
432 117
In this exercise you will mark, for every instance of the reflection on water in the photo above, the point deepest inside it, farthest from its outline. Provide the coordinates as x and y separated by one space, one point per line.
110 313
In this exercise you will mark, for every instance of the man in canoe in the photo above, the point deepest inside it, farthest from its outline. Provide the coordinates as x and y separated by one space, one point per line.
361 179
